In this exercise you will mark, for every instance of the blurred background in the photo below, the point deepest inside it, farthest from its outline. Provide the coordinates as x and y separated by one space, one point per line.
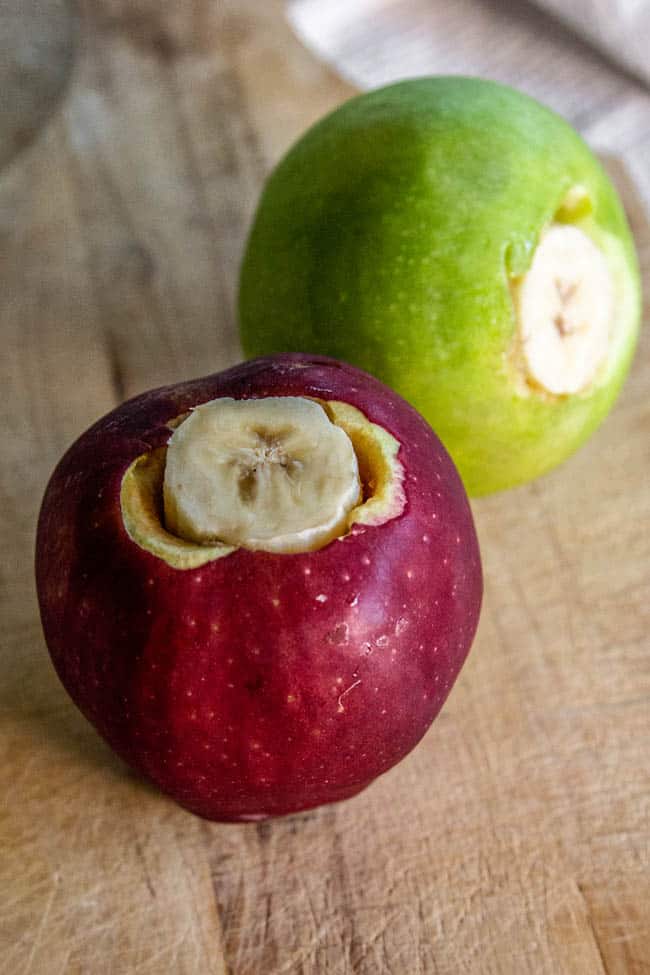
588 59
135 136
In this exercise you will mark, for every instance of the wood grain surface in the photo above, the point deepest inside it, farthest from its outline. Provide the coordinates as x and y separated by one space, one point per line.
37 39
516 838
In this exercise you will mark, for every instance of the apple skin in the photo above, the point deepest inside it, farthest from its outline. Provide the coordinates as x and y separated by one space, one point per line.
236 687
386 237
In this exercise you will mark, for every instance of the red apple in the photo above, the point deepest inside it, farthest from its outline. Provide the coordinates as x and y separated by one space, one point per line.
250 683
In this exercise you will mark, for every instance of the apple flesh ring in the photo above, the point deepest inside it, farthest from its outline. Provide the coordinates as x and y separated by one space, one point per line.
244 683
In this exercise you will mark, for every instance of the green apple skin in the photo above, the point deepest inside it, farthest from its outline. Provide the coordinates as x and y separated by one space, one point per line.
389 236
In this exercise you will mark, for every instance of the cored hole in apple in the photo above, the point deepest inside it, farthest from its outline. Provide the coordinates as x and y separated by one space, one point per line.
277 474
564 302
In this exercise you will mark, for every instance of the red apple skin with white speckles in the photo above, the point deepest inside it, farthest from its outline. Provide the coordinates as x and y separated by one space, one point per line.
259 684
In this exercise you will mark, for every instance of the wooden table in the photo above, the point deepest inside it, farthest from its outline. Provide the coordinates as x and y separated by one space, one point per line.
515 839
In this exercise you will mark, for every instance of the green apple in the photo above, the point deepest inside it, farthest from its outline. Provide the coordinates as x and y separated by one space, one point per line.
460 241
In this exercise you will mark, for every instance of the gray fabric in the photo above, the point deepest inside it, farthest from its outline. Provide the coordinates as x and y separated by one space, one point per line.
619 28
372 42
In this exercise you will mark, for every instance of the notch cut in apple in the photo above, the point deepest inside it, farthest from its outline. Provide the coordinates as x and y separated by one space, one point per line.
277 474
566 304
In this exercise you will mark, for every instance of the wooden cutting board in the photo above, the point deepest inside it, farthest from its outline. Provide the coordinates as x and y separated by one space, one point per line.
37 40
516 838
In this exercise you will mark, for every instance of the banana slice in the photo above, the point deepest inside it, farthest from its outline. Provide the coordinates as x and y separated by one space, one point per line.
273 474
565 306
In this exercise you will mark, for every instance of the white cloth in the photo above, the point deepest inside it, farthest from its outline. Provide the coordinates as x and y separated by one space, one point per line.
372 42
587 59
619 28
